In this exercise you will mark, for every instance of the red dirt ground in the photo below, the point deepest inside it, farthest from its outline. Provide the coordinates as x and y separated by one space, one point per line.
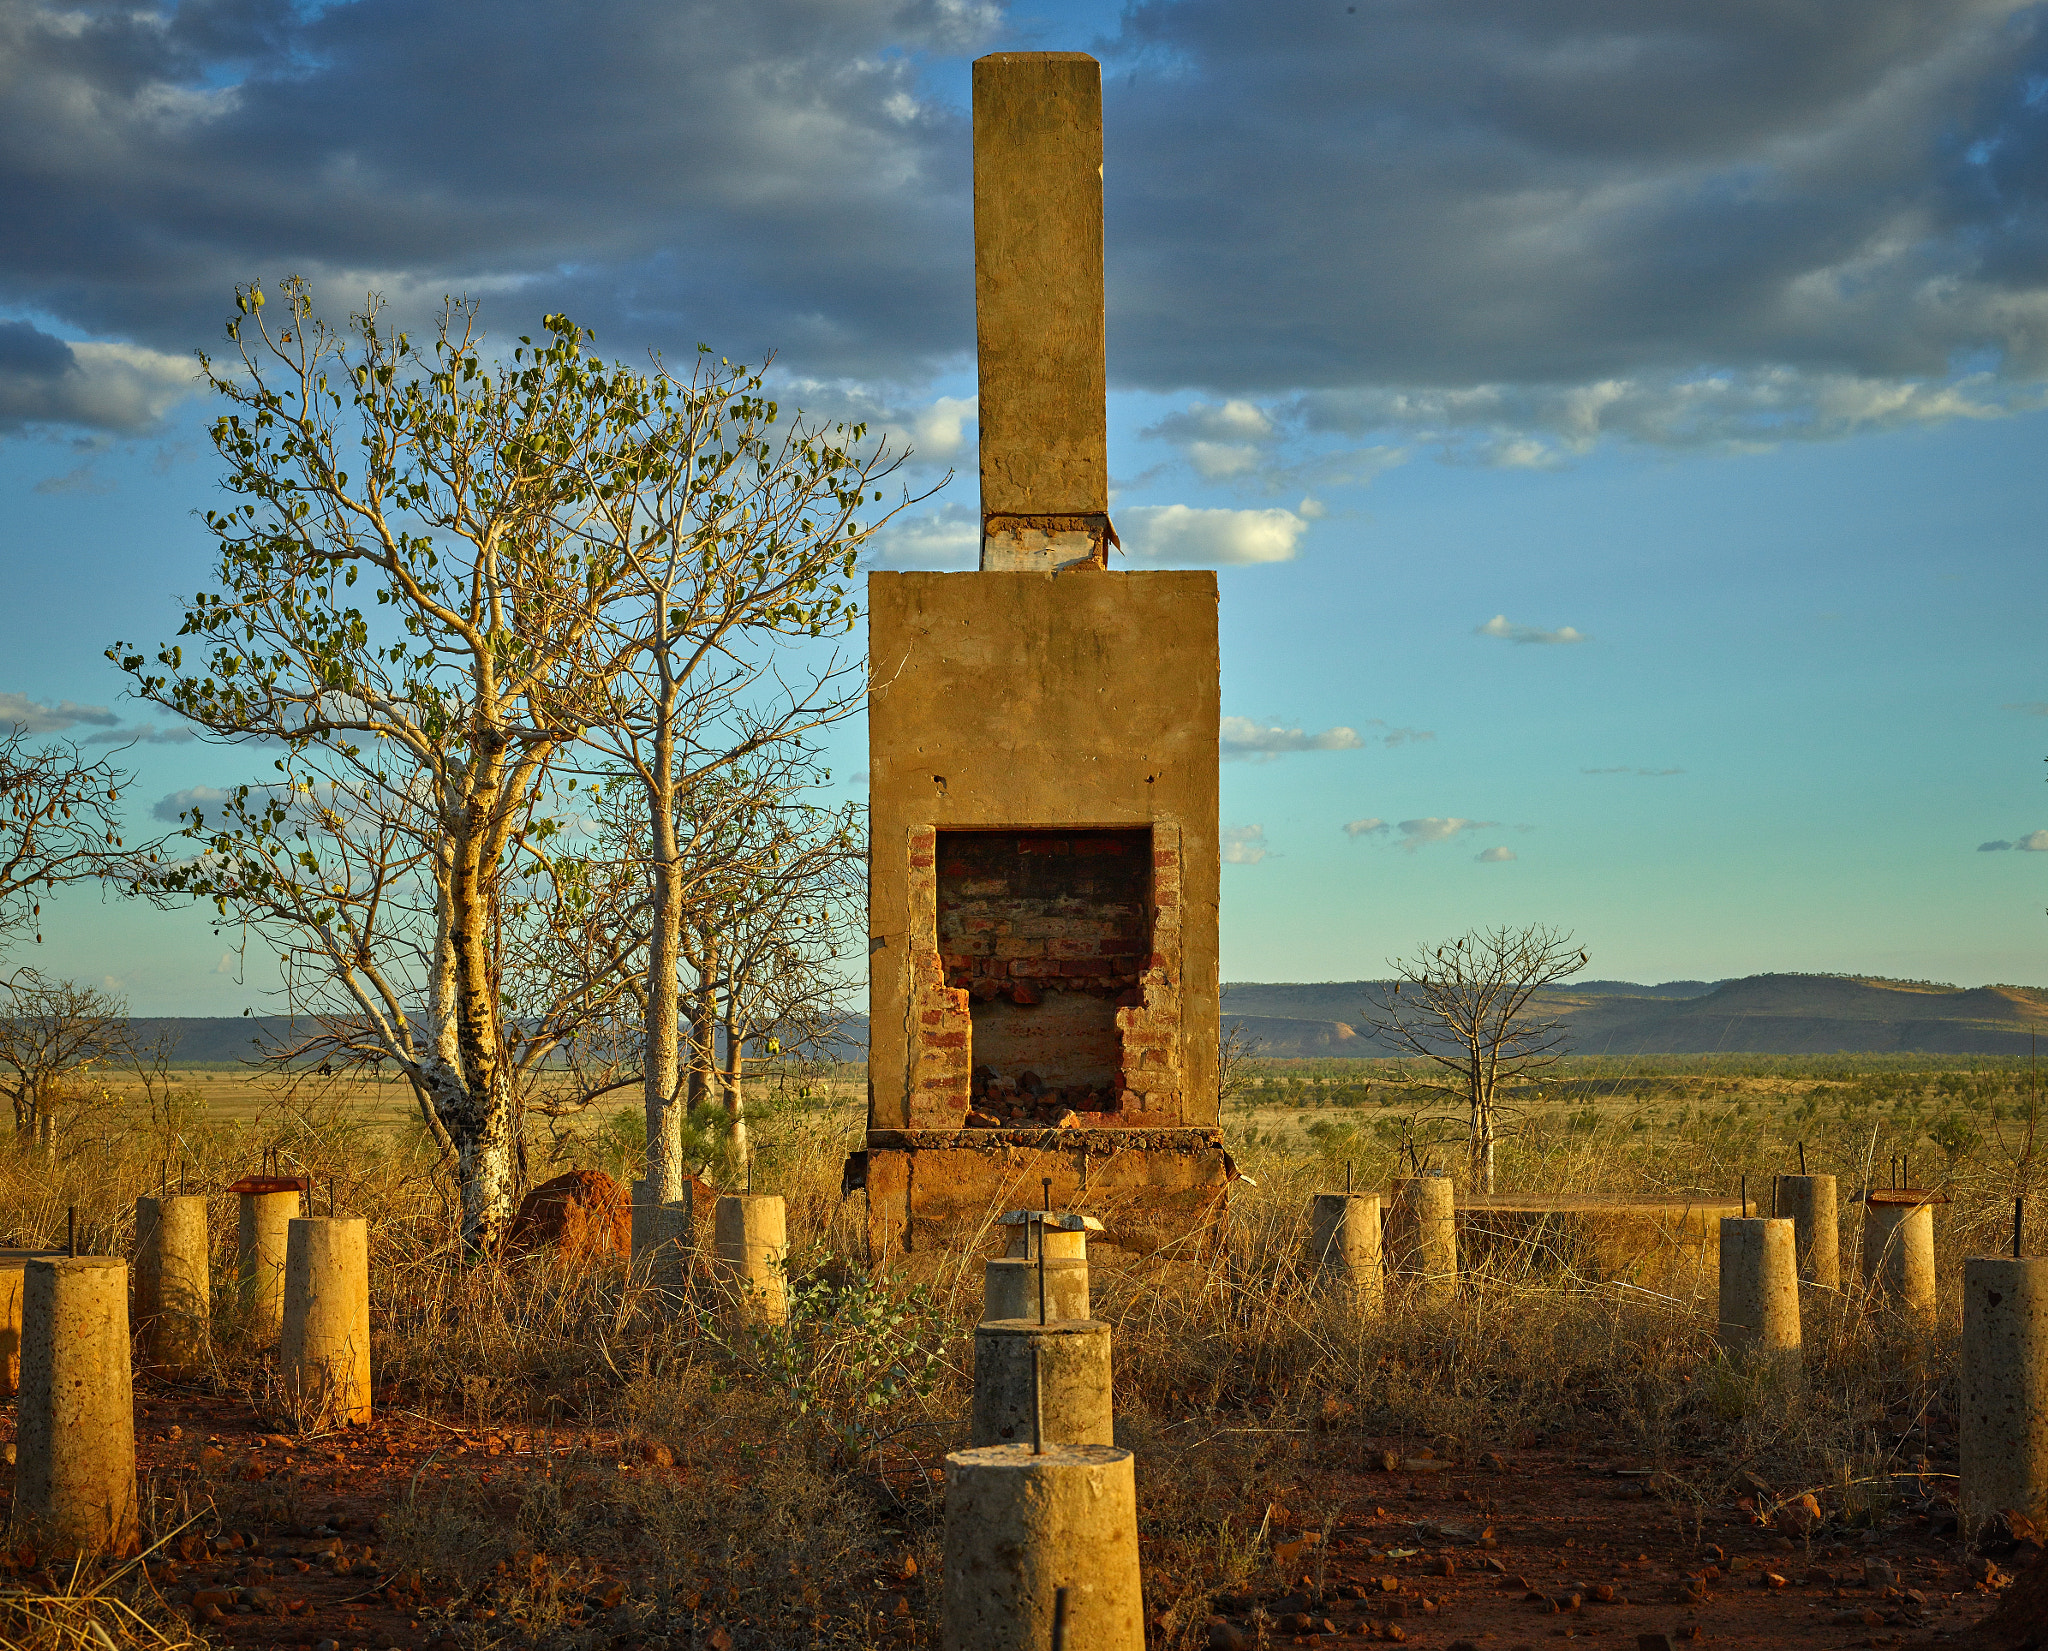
1537 1545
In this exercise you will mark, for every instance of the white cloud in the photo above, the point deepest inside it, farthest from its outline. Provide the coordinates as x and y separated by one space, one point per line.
949 537
1542 426
80 478
1494 855
1219 441
1498 626
176 803
1439 829
940 431
2034 842
1244 845
1209 538
52 719
176 734
1366 827
1242 737
2032 707
226 965
100 384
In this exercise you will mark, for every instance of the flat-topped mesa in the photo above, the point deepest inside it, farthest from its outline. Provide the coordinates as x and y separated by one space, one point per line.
1038 311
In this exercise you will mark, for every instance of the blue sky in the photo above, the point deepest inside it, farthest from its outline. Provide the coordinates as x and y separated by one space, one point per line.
1703 348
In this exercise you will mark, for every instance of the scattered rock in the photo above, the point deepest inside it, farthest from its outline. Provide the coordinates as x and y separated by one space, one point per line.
1227 1636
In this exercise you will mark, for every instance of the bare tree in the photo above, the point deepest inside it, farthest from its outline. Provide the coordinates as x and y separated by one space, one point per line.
59 824
1466 1008
51 1033
787 922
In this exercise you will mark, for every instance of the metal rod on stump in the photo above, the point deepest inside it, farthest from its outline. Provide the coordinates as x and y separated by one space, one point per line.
1059 1619
2019 1225
1802 1157
71 1230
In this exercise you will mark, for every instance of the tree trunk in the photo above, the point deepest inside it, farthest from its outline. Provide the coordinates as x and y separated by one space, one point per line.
660 1094
463 1075
735 1104
704 1033
1482 1143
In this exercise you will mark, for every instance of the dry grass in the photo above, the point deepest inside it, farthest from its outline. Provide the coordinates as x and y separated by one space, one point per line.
807 1455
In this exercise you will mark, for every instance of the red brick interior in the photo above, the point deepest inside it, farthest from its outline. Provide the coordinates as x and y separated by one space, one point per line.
1046 939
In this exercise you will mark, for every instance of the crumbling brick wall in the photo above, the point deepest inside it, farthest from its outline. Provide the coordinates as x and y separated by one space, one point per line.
1062 947
939 1033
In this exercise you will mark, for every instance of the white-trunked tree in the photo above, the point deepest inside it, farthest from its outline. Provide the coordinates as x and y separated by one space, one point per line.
434 579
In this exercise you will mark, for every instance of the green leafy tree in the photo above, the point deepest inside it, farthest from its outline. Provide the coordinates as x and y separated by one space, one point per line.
432 577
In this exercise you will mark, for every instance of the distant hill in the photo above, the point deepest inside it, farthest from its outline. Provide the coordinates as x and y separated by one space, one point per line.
1761 1014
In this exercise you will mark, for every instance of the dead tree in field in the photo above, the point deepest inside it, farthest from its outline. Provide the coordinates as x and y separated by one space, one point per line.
51 1033
1467 1009
59 824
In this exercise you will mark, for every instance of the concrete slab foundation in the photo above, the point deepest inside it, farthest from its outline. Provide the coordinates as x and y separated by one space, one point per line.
1343 1254
1020 1528
74 1480
1808 1201
1668 1245
2005 1389
173 1280
324 1344
1759 1287
1073 1382
1157 1191
12 1262
1010 1288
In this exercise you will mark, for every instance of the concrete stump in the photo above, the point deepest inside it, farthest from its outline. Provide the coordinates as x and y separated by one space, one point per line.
75 1425
662 1238
1021 1527
1421 1236
1343 1256
751 1237
1073 1382
1061 1243
1808 1201
12 1263
1010 1289
262 1227
2005 1389
173 1279
324 1348
1898 1254
1759 1286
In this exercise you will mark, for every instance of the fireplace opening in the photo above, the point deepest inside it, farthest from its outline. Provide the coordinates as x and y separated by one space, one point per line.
1049 933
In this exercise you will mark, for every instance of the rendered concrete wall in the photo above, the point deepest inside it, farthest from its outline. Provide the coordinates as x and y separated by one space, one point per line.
1081 699
1038 284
